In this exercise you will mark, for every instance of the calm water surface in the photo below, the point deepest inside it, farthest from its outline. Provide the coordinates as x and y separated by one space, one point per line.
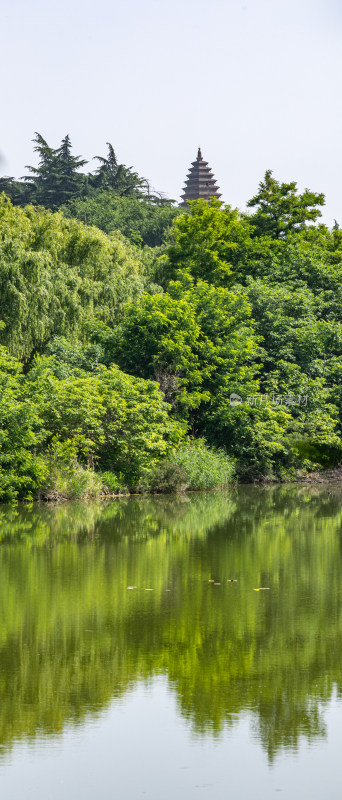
136 659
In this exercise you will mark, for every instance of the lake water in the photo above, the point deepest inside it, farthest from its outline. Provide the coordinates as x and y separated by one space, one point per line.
137 659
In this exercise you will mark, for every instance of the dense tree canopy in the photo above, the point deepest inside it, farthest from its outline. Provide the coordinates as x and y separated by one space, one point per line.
196 340
55 274
208 242
49 424
112 196
232 320
280 210
57 178
116 177
142 219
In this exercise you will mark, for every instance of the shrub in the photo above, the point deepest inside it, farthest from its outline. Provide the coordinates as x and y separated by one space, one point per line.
112 483
193 466
67 479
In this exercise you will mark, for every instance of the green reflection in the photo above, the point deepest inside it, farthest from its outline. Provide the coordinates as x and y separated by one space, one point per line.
72 636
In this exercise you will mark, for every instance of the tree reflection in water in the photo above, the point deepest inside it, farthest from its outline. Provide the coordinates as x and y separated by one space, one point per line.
73 637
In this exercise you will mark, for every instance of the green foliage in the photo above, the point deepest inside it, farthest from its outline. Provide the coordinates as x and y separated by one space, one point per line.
294 287
142 220
256 437
197 341
57 274
67 479
22 468
280 210
304 260
194 466
109 419
112 483
118 178
230 305
56 179
166 477
208 242
18 192
54 431
69 356
297 309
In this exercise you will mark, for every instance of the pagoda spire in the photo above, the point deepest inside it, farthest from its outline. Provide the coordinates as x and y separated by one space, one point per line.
200 182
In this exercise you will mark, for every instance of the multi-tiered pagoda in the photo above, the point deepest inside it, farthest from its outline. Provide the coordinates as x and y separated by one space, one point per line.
200 182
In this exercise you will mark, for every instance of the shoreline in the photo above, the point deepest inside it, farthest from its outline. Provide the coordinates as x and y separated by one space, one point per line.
326 477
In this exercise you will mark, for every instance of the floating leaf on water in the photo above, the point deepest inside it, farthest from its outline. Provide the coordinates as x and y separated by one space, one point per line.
261 589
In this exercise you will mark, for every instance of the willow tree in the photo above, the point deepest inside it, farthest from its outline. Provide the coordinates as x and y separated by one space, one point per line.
57 274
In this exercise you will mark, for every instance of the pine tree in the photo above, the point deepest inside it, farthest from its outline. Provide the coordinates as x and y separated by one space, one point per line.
56 180
41 182
116 177
19 192
69 182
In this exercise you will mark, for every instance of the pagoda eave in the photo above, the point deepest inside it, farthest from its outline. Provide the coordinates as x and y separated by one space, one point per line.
200 183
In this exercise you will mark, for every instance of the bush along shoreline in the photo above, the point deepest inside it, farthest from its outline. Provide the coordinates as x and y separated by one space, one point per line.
69 434
155 350
191 467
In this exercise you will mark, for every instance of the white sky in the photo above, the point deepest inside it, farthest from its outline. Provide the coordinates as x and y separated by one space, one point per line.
255 83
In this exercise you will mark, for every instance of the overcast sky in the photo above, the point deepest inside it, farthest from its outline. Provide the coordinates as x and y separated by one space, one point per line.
255 83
